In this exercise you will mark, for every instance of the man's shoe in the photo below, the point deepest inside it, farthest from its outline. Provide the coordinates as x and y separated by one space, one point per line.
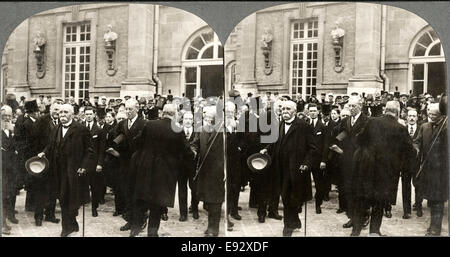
210 234
318 210
117 213
261 219
349 224
164 217
195 215
355 233
388 214
236 216
13 220
340 211
94 213
38 222
6 231
135 232
419 212
52 219
230 223
406 216
6 226
287 232
326 198
190 209
275 216
182 218
125 227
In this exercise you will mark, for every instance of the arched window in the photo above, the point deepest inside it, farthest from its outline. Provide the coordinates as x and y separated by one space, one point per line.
202 73
427 64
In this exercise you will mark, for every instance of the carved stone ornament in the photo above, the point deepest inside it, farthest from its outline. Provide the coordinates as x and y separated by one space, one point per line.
110 48
337 37
39 53
266 46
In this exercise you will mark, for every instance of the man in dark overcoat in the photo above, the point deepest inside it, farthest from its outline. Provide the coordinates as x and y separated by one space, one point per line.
70 154
349 128
293 156
45 187
210 170
95 171
434 158
376 174
162 147
127 133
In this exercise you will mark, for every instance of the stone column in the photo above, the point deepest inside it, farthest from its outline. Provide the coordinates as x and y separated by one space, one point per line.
246 66
140 52
18 65
367 50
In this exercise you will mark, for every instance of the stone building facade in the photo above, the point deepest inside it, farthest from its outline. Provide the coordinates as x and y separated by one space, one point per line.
339 47
158 49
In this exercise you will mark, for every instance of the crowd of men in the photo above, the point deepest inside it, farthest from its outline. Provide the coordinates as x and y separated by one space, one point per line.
143 148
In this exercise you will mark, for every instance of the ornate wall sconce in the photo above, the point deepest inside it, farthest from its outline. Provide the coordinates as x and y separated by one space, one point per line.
337 35
110 48
266 47
39 54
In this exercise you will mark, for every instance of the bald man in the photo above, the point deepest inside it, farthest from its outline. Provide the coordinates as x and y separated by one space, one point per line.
292 158
70 153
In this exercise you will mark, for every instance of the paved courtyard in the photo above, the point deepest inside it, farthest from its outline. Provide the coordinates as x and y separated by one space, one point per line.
329 223
105 225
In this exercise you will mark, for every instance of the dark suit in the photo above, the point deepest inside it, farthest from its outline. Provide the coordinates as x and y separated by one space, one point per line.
433 178
295 148
67 154
210 176
9 174
96 179
349 145
186 175
126 148
320 134
234 169
376 171
157 164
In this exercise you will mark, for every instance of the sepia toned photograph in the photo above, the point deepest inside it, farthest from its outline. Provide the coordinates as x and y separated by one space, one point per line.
308 119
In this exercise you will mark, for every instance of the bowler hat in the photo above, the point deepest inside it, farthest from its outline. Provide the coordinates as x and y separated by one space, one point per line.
37 166
258 162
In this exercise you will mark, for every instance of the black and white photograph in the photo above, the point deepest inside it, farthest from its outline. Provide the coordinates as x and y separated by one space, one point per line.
308 119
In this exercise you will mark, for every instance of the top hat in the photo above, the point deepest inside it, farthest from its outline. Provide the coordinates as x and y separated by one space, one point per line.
36 166
326 109
31 106
258 162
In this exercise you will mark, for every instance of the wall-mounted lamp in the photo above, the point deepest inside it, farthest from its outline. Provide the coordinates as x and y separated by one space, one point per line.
110 48
337 36
39 54
266 47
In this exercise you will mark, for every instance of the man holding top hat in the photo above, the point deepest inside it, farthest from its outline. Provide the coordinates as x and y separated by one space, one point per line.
292 155
70 154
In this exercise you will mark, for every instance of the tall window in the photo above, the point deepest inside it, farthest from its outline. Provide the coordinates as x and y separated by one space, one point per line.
76 60
202 52
427 64
303 59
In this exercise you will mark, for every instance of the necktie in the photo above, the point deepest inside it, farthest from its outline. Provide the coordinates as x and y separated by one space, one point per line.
188 134
129 124
411 131
353 121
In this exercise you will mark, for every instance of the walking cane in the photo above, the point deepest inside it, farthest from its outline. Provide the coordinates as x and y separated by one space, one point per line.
306 210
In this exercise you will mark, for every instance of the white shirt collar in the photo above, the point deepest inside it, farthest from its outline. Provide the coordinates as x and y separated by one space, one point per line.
133 119
33 119
289 121
67 124
356 117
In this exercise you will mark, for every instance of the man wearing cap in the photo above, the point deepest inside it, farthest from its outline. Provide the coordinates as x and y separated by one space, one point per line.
95 171
47 186
434 175
127 134
158 159
293 156
9 169
70 153
376 172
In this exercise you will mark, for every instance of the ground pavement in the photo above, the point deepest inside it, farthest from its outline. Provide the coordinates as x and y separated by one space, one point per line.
329 223
105 225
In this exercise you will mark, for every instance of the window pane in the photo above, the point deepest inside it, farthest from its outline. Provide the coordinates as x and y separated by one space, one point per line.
82 37
208 37
418 87
198 43
74 37
425 40
418 71
88 37
434 35
191 75
191 54
295 26
220 52
436 50
68 38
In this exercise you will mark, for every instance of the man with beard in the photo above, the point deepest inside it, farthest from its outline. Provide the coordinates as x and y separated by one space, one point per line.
432 149
161 149
210 170
292 155
376 171
46 186
70 153
127 134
